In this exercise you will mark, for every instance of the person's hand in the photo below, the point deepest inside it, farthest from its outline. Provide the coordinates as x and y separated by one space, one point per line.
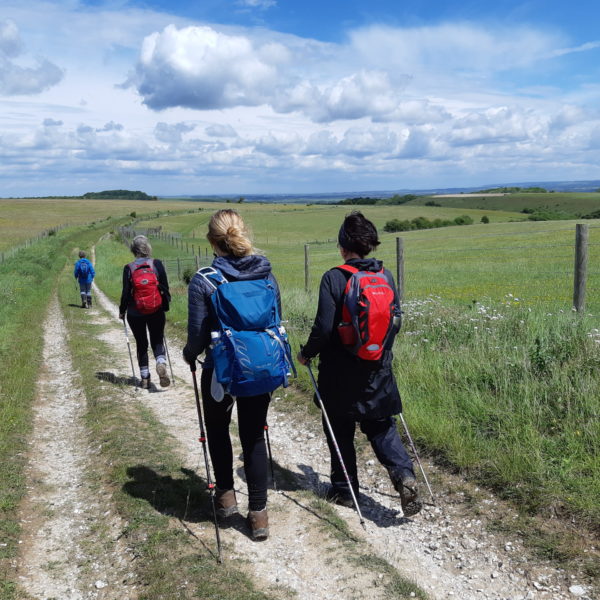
300 358
122 316
189 356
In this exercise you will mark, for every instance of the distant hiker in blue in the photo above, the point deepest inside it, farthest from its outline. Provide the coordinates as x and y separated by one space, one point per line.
84 273
235 260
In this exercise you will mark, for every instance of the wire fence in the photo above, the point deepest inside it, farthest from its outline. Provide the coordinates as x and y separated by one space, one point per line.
461 268
9 253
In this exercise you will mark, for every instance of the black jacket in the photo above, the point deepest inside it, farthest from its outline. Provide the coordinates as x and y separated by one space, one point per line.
201 319
349 385
127 304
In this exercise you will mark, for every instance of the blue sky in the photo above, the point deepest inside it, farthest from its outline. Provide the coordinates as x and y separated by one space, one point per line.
268 96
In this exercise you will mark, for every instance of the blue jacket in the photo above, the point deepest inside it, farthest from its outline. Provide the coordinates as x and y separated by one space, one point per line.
80 275
201 319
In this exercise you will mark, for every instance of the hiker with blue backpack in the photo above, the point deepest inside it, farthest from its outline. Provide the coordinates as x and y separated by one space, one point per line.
357 319
84 274
234 310
145 299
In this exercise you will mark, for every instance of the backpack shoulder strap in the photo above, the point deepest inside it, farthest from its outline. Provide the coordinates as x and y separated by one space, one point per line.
212 276
348 268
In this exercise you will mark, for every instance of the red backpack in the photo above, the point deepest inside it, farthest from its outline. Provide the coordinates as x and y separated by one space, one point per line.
370 314
144 287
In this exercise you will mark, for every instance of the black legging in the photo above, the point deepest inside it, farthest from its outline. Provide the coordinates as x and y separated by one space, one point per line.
155 323
252 416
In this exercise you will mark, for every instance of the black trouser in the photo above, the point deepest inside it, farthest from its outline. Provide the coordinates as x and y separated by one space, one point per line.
385 441
252 416
155 324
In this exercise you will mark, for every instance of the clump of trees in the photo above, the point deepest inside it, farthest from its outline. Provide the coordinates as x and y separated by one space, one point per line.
424 223
118 195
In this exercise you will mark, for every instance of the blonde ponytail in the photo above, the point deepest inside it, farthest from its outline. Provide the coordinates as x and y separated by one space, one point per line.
227 231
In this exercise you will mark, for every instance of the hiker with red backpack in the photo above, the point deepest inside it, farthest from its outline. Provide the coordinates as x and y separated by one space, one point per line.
234 313
84 273
145 300
357 319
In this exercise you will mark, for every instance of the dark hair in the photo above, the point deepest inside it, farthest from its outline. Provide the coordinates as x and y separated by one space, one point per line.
358 234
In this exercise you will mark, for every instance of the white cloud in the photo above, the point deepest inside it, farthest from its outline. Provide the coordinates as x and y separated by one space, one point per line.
10 40
220 130
205 69
171 134
16 79
111 126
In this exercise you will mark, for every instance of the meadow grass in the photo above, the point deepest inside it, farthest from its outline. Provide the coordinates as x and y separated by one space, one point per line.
573 203
24 218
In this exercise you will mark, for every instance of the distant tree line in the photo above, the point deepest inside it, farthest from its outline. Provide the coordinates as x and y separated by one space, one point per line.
513 190
118 195
394 200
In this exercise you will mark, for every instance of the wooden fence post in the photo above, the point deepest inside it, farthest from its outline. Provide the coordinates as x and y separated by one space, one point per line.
178 268
581 256
400 267
306 270
197 262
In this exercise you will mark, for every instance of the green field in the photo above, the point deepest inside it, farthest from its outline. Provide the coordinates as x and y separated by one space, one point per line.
22 219
573 203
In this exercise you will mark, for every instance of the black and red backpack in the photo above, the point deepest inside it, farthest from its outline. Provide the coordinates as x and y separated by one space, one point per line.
370 314
145 289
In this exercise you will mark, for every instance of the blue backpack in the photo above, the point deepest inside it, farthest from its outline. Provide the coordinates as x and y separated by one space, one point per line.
250 349
84 269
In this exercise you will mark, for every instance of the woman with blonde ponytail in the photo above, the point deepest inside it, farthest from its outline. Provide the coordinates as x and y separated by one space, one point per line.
236 260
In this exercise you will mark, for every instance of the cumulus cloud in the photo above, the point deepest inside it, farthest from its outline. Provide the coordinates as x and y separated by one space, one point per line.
205 69
363 94
111 126
16 79
171 134
52 123
218 130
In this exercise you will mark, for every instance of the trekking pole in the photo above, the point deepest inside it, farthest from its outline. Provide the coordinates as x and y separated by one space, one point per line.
130 355
337 448
414 449
266 427
202 439
169 359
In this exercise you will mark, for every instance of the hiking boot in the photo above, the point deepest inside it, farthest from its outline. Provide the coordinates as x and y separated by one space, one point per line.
226 503
89 302
146 383
163 378
259 524
83 304
409 495
340 497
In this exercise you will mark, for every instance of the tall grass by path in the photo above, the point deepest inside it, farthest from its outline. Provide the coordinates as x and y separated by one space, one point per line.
27 281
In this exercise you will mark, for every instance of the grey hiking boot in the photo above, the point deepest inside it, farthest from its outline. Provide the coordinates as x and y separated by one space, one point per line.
83 304
163 378
146 383
259 524
409 495
341 497
226 503
89 302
